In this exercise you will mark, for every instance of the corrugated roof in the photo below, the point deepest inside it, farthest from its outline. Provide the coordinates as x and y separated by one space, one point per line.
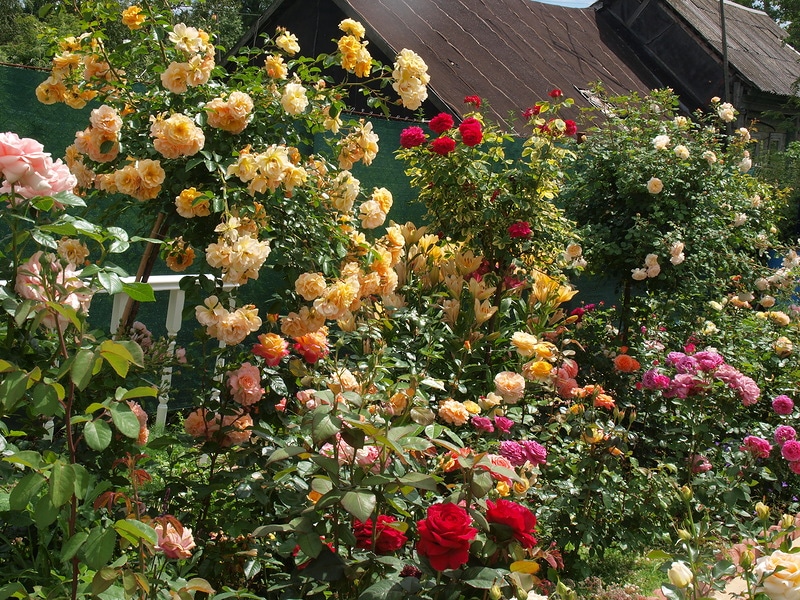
755 42
511 53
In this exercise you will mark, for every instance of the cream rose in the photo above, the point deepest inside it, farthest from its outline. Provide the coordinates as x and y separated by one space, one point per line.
655 185
783 584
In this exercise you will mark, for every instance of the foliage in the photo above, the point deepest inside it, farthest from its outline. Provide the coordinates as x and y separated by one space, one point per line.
419 415
669 205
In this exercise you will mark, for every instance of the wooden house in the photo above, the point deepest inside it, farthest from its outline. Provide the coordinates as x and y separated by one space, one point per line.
512 53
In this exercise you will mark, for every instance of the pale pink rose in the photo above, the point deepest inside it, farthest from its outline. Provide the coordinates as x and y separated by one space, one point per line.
22 160
174 543
43 279
245 384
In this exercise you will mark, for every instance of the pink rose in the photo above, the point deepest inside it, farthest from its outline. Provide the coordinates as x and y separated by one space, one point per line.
784 433
758 447
783 405
23 161
174 540
245 384
791 450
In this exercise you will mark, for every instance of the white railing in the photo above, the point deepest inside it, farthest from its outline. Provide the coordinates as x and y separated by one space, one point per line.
173 322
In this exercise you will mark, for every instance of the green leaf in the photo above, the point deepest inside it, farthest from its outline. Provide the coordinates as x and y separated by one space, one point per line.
103 579
133 531
659 555
140 392
46 398
110 281
141 292
324 427
359 504
419 480
44 513
116 355
69 199
72 546
284 453
26 490
12 589
99 547
62 483
124 420
12 388
27 458
81 368
97 434
482 578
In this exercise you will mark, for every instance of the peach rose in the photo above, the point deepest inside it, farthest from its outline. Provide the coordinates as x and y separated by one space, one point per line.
453 412
310 286
510 385
174 542
245 384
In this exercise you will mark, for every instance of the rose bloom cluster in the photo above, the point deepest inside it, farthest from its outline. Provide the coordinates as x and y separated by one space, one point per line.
695 373
355 58
239 256
197 55
27 171
230 114
276 166
140 179
411 79
77 71
228 430
230 328
359 145
445 535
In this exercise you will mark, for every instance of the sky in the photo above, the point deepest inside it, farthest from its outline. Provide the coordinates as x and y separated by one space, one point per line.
568 3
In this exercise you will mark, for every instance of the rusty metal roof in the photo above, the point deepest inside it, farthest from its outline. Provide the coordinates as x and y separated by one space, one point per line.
755 42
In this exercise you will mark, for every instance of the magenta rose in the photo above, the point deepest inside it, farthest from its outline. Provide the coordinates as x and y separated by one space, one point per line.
520 229
411 137
783 405
471 131
445 536
387 538
443 145
519 521
791 450
441 123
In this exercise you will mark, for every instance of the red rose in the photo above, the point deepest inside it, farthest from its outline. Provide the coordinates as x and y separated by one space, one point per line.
445 536
555 93
471 131
520 229
441 123
474 100
387 538
571 127
443 145
532 111
412 137
519 520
